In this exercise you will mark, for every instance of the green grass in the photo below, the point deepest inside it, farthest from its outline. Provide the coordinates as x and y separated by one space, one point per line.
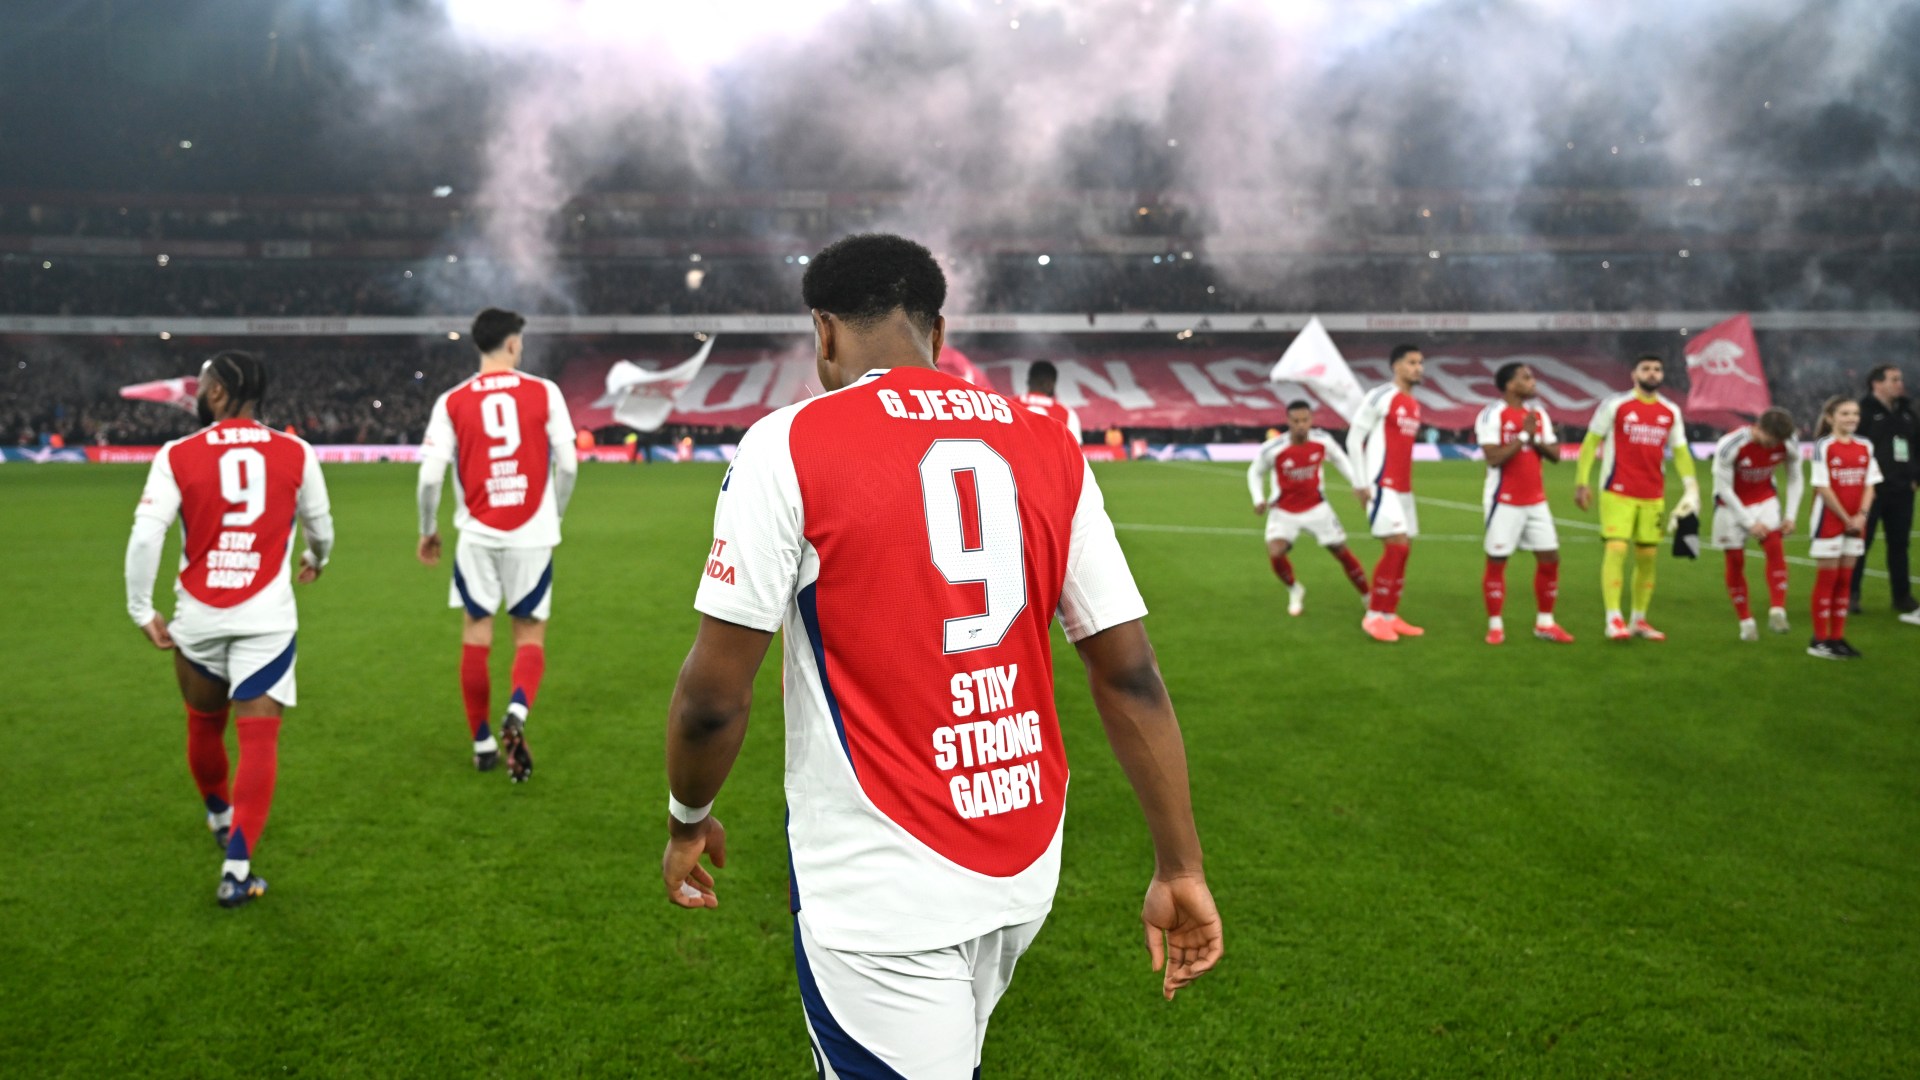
1434 859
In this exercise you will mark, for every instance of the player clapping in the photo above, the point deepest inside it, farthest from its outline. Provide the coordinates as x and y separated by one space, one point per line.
1746 507
1381 440
510 440
237 487
1516 436
1844 475
1294 461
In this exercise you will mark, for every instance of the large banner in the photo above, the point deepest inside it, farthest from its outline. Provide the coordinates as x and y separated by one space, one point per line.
1132 388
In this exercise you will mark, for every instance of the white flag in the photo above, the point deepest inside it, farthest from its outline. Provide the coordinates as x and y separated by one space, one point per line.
643 399
1313 362
182 393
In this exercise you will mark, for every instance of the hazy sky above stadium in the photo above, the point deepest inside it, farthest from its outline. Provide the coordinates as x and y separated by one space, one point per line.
525 103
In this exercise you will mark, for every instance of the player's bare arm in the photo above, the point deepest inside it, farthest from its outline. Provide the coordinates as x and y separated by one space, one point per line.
1182 925
706 722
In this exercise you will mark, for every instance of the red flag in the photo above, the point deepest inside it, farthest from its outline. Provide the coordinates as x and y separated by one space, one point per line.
954 362
1727 387
181 393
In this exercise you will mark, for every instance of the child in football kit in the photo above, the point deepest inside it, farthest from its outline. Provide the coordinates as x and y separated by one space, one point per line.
237 487
1844 475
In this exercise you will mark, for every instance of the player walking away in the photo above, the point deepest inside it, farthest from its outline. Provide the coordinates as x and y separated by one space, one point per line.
1516 436
1381 441
1631 433
504 432
1042 377
237 486
1844 474
1294 462
913 535
1746 506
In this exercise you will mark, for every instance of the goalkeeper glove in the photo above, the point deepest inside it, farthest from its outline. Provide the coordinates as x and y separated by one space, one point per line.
1689 502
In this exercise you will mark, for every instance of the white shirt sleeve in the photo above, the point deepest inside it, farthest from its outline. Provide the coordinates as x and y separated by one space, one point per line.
315 511
1339 458
1259 470
159 505
1677 434
1796 479
566 461
1874 476
1545 435
753 569
1486 427
1099 592
1726 456
1365 419
437 451
1073 423
1820 477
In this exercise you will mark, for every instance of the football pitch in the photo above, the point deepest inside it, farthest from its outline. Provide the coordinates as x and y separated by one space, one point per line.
1437 858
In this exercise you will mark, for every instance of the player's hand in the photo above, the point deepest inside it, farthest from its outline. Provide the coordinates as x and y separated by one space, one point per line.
1531 425
689 885
430 549
1786 528
1183 930
156 631
309 570
1758 530
1364 496
1583 497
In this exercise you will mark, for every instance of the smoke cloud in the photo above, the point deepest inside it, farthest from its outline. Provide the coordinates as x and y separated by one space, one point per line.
1252 113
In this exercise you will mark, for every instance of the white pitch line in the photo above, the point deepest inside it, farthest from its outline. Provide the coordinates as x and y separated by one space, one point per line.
1444 504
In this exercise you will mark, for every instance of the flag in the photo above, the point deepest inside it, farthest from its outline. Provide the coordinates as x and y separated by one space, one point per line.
1313 362
181 393
1726 386
643 399
955 363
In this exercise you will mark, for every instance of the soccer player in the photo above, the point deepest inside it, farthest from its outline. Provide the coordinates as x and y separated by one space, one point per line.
237 486
1515 437
1844 475
913 535
1294 462
510 440
1381 440
1631 434
1746 506
1042 377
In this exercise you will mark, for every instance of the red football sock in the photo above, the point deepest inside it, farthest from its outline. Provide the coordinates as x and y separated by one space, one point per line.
1389 576
1493 585
1841 597
476 687
207 756
1737 583
1355 572
1546 586
1282 568
259 738
1775 545
529 663
1822 603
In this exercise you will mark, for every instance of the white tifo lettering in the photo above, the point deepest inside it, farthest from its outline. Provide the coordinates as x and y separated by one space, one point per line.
948 405
506 487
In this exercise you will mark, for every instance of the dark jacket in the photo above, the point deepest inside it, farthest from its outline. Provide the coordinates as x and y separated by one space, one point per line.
1880 426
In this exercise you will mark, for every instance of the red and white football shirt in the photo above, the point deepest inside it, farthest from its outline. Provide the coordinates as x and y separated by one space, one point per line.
237 488
1847 468
1296 471
1385 427
1743 473
1516 481
916 582
1638 433
501 432
1050 406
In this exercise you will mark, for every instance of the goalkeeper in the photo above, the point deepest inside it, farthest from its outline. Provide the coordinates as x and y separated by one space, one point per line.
1630 434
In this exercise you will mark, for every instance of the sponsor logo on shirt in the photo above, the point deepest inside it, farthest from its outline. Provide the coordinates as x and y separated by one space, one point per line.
716 569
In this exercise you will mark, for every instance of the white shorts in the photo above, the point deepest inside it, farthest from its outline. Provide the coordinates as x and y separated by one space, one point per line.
913 1014
484 577
252 665
1320 521
1834 547
1392 513
1523 528
1729 534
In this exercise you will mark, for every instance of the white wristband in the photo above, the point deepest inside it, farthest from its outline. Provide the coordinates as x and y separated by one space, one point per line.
687 815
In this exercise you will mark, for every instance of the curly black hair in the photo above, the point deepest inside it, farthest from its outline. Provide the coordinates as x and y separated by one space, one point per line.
864 278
